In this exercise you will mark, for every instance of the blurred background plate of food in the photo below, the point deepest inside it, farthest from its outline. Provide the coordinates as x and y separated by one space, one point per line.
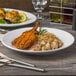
14 18
28 40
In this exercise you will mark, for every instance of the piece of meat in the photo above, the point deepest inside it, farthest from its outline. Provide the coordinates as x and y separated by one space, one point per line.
2 13
1 16
27 38
12 16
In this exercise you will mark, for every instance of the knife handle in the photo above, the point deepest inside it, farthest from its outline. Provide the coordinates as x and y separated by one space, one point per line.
27 67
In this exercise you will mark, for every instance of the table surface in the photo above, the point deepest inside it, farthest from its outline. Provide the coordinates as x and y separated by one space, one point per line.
62 58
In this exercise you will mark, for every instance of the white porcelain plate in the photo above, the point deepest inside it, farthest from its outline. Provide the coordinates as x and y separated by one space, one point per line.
66 37
30 19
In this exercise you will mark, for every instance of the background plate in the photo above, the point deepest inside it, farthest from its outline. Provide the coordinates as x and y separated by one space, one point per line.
31 18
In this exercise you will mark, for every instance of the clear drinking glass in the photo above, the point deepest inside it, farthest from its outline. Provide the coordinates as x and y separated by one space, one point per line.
39 6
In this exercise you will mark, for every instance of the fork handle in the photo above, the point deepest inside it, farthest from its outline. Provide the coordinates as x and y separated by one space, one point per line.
21 62
27 67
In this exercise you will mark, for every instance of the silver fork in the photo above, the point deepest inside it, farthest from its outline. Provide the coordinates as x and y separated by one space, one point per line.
10 63
4 60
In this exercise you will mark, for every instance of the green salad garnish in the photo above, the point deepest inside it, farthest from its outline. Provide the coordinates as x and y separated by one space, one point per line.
7 11
3 22
41 31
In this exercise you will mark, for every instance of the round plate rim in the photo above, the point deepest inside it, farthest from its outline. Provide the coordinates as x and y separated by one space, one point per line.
19 24
31 52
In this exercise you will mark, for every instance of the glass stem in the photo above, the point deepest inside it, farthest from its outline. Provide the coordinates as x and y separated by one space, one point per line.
39 16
